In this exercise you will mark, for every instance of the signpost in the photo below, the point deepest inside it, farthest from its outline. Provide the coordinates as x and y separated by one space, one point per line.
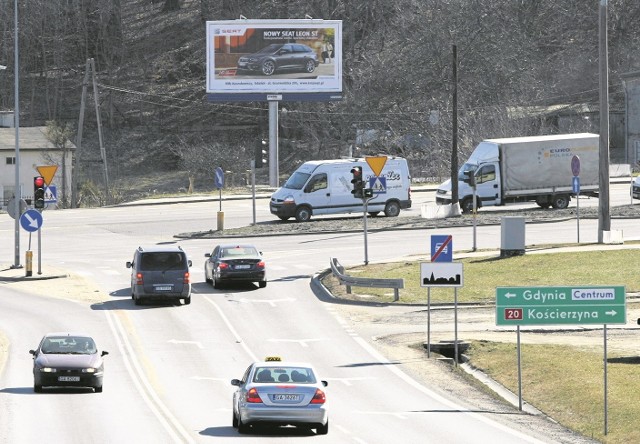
575 169
218 180
569 305
560 305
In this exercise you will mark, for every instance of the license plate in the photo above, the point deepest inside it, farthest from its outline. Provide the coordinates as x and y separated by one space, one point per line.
163 288
69 378
286 397
242 267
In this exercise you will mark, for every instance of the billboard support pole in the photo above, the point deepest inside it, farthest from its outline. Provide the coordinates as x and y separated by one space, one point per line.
273 144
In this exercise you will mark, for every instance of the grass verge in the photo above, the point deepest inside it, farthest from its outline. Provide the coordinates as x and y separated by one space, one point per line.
565 382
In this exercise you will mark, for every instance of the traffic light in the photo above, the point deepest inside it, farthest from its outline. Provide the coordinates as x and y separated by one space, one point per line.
358 182
469 178
262 154
38 192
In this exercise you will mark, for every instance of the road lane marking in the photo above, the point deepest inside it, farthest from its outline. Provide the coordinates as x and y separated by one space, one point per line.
153 401
196 343
232 330
302 342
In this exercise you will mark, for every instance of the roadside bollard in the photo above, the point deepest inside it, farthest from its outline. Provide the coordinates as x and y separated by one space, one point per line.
220 220
29 263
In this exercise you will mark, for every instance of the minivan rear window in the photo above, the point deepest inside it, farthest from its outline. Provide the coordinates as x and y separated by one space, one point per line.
161 261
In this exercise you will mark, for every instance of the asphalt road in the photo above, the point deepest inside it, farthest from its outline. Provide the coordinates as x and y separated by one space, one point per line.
169 367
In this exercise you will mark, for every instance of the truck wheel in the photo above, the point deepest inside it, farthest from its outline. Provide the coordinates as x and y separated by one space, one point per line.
466 206
560 202
392 209
303 214
543 202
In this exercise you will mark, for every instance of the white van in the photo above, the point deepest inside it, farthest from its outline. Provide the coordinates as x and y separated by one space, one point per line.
324 187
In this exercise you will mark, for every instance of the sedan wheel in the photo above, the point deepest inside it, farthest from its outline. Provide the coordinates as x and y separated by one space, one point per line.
310 66
268 68
242 427
262 284
37 388
323 429
187 301
98 389
234 422
215 282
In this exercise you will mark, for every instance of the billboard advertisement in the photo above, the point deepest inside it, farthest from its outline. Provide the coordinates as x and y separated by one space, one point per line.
274 60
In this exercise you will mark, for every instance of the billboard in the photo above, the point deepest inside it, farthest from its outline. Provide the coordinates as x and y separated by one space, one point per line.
274 60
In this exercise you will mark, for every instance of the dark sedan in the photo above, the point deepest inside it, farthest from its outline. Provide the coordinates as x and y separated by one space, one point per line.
276 57
235 263
67 360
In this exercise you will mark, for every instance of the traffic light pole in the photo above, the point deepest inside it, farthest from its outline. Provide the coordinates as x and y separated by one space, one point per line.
365 202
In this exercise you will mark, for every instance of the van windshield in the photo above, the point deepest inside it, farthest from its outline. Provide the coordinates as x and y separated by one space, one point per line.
296 181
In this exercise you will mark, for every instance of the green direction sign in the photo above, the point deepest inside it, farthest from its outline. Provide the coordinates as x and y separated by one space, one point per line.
561 305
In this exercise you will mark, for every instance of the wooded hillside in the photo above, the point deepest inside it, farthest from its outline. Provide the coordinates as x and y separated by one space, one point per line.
521 62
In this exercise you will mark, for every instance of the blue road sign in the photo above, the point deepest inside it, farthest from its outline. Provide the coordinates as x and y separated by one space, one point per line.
576 184
218 177
441 248
31 220
51 194
378 184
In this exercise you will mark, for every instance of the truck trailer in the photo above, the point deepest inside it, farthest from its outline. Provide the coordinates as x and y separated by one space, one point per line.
519 169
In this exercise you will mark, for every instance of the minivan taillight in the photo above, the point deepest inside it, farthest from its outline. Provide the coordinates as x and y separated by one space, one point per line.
187 277
139 280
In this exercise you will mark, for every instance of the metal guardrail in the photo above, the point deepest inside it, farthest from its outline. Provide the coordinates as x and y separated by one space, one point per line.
351 281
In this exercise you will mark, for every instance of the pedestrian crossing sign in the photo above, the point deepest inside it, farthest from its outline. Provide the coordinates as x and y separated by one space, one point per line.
378 184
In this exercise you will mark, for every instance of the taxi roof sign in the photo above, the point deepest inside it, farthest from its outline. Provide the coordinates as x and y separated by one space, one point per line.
376 163
47 172
273 359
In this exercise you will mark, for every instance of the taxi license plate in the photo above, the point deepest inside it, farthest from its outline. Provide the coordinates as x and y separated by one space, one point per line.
163 288
286 397
69 378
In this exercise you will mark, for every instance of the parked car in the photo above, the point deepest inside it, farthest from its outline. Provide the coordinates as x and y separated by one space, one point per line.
67 360
278 56
635 188
235 263
160 272
277 393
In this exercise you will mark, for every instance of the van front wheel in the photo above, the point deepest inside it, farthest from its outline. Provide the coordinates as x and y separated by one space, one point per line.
392 209
303 214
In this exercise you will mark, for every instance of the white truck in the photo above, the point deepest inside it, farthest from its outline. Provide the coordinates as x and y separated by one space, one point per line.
324 187
538 168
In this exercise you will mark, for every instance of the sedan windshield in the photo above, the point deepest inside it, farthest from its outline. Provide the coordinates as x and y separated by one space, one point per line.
296 181
76 345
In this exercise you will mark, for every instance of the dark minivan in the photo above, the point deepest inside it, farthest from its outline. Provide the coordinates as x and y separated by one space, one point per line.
160 272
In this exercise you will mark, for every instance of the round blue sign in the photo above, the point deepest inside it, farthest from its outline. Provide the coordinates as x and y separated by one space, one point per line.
31 220
575 165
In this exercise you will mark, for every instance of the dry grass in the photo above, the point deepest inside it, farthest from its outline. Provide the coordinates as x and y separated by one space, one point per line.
483 275
568 385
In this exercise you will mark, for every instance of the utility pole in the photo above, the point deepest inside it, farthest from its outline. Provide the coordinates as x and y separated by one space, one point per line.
604 216
454 131
103 153
76 158
16 122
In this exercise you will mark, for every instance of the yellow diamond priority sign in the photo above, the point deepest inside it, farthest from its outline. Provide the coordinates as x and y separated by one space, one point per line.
376 163
47 172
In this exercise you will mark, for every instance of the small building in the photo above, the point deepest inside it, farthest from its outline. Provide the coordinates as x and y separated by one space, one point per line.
35 151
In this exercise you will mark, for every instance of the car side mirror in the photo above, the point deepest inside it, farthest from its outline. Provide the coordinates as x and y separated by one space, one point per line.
189 262
236 382
207 255
129 264
324 383
104 353
32 352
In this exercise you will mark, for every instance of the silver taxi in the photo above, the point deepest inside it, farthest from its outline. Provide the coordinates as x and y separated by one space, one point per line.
277 393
